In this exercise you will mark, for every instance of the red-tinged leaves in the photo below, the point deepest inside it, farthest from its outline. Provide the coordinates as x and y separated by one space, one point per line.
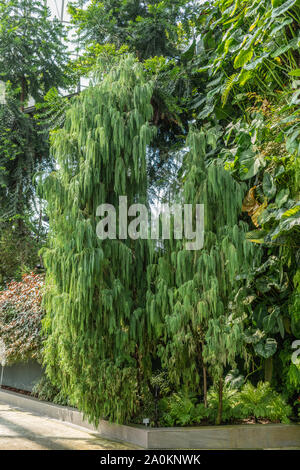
20 318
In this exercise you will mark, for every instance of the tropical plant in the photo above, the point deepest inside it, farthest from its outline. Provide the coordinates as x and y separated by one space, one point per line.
45 390
247 53
98 337
32 54
263 402
181 410
148 28
196 294
204 111
260 403
33 59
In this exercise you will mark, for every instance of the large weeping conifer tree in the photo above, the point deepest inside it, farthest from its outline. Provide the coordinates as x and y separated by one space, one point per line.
97 347
196 295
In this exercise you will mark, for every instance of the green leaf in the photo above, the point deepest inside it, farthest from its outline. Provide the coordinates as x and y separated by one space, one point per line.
279 171
244 77
259 313
256 234
189 53
257 61
295 100
242 58
228 86
282 197
280 26
292 211
250 164
283 8
266 348
253 338
280 326
293 44
207 110
269 186
285 226
295 73
270 321
234 379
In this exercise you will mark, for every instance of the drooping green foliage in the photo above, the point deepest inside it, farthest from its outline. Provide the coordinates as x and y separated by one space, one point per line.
233 301
116 314
98 342
196 294
158 33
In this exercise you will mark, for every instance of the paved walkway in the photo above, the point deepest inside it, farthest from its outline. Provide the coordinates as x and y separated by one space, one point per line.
21 430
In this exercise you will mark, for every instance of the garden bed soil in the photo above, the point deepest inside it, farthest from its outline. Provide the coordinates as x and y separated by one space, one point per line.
17 390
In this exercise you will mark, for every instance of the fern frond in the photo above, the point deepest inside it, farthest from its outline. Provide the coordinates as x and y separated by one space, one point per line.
228 87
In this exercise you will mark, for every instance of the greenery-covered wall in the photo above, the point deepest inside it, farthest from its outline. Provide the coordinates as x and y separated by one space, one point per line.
21 316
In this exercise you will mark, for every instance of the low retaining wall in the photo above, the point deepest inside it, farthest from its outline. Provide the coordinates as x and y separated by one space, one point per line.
251 436
22 376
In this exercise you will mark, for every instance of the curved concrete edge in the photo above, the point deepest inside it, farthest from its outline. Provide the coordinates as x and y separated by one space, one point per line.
117 432
245 436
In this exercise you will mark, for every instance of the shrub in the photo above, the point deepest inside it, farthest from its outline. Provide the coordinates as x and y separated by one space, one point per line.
18 251
182 410
232 410
260 402
45 390
263 402
158 388
20 318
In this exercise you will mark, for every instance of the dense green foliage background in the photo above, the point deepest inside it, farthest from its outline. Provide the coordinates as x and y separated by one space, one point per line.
193 103
33 59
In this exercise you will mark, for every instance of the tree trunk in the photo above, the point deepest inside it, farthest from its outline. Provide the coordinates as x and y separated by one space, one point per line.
268 369
220 404
205 386
22 98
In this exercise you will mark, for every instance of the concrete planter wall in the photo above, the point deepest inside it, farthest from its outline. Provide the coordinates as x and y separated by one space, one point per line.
22 376
257 436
